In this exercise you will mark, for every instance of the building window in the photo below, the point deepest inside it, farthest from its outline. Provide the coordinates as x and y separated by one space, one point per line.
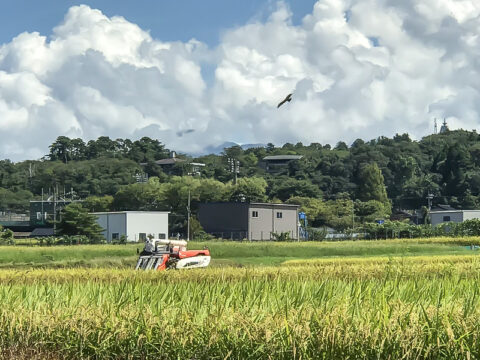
161 236
279 215
254 214
446 218
115 236
142 237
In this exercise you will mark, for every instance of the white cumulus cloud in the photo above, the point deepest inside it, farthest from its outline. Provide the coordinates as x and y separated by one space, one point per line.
357 69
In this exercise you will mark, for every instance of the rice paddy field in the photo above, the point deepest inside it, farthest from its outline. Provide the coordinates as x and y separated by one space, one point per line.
393 299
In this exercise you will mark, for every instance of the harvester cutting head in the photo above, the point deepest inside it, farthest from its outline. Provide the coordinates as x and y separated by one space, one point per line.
171 254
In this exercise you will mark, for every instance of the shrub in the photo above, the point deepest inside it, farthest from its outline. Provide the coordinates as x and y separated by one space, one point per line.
283 236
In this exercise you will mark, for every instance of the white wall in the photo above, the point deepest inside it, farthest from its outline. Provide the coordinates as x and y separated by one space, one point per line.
437 217
133 223
288 222
261 227
471 214
112 223
154 223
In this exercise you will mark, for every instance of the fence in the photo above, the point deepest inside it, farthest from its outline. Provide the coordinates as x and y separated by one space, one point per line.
14 217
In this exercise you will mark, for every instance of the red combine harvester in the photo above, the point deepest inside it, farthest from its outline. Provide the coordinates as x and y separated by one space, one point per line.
171 254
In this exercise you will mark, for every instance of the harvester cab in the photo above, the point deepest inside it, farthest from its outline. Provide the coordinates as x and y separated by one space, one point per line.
171 254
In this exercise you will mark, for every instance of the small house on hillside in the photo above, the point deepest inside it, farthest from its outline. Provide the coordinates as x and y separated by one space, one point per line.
276 163
168 165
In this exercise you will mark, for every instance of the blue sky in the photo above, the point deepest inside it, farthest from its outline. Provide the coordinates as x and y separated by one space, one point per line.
167 20
357 69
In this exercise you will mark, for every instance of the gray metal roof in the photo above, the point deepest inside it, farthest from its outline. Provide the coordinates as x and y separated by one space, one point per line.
248 204
453 211
42 232
282 157
129 212
169 161
274 205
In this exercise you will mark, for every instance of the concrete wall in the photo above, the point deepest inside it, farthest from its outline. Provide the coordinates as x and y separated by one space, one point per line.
260 228
471 214
437 217
288 222
133 223
267 222
112 223
154 223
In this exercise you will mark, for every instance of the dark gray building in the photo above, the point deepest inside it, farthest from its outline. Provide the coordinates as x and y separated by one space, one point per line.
252 221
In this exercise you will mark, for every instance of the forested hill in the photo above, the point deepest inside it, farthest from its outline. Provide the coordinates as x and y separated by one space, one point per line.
446 165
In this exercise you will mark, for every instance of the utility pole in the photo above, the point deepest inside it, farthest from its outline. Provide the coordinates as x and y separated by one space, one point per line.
234 168
188 217
353 216
43 214
429 198
55 191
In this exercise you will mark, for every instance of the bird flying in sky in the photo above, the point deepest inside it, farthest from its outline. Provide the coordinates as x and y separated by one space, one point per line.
288 98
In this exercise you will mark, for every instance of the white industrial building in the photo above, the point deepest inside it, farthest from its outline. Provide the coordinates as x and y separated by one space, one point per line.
438 217
135 225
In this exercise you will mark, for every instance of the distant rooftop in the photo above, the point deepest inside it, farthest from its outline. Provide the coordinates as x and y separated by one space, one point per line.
172 161
240 203
282 157
442 207
42 232
129 212
169 161
453 211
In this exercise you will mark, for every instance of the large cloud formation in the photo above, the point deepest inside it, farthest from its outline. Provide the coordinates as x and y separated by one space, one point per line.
358 69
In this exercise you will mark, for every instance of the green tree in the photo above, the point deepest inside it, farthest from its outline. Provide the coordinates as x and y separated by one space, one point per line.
98 203
371 210
75 220
371 184
196 229
60 149
315 209
284 188
139 196
6 236
251 189
15 201
339 214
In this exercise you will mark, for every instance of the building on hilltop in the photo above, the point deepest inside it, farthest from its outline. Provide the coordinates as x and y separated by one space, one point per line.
168 165
275 163
444 128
